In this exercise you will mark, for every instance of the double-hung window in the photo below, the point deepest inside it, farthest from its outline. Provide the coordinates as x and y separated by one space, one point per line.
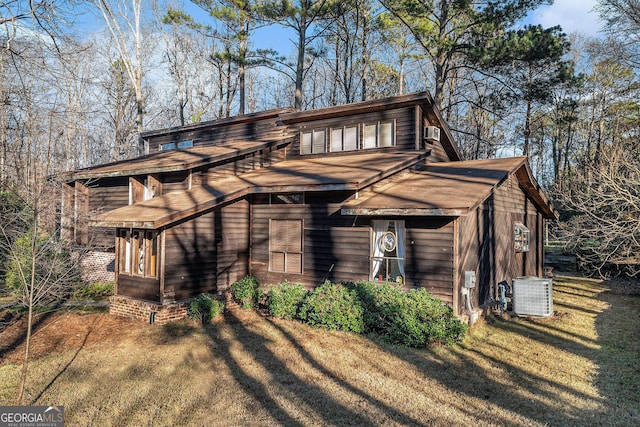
387 251
380 134
138 253
285 246
344 138
313 142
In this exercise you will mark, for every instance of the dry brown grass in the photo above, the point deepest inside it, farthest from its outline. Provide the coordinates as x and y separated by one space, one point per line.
579 367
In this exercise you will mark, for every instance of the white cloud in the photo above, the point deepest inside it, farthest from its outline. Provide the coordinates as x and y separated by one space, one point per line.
571 15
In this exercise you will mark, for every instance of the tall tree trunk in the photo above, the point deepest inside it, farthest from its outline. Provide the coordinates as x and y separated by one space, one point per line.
242 66
527 119
365 51
302 44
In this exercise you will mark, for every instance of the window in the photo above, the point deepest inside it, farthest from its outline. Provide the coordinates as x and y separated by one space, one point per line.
143 188
387 251
287 198
521 236
313 142
285 246
172 145
138 253
381 134
344 138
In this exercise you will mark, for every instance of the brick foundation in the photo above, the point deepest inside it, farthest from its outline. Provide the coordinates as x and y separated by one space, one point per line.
98 266
141 310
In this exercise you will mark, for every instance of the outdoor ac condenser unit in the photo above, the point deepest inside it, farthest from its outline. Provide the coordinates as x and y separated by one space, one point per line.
432 133
532 296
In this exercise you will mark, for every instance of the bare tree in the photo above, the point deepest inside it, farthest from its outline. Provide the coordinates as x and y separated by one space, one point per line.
39 271
603 227
123 19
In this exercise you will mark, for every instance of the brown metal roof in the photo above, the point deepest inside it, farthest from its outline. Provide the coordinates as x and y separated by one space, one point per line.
447 189
170 161
347 172
227 121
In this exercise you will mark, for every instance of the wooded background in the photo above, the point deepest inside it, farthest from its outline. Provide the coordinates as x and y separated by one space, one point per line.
70 98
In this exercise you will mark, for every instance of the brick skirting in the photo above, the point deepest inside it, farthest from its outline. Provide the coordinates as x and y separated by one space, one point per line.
142 310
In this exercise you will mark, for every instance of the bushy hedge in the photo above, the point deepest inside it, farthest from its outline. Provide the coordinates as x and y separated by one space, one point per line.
333 307
414 318
203 308
245 291
285 299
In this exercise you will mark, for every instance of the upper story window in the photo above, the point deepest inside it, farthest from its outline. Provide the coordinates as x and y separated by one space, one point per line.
344 138
347 138
380 134
313 142
173 145
143 188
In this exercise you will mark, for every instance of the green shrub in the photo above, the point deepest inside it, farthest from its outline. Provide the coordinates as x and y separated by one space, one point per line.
333 307
203 308
95 290
285 299
56 275
245 291
414 318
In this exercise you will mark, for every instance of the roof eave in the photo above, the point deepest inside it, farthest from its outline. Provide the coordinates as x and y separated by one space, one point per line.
357 108
246 118
90 174
404 212
533 189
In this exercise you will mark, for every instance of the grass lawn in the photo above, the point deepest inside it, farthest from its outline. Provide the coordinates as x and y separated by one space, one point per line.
579 367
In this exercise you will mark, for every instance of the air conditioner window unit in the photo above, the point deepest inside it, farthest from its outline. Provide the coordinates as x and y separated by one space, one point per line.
432 133
532 296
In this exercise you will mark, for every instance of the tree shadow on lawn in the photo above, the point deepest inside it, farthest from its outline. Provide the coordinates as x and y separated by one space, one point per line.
614 398
39 319
618 359
281 389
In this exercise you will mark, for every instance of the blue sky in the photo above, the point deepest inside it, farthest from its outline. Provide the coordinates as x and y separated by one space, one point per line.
572 15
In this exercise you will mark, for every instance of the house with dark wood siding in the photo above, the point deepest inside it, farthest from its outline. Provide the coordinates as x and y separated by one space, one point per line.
375 190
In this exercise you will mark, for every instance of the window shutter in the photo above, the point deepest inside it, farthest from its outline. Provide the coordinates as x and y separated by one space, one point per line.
285 239
277 261
294 263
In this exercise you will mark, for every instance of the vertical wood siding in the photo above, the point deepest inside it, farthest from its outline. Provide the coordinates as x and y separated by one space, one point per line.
206 254
486 241
429 255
